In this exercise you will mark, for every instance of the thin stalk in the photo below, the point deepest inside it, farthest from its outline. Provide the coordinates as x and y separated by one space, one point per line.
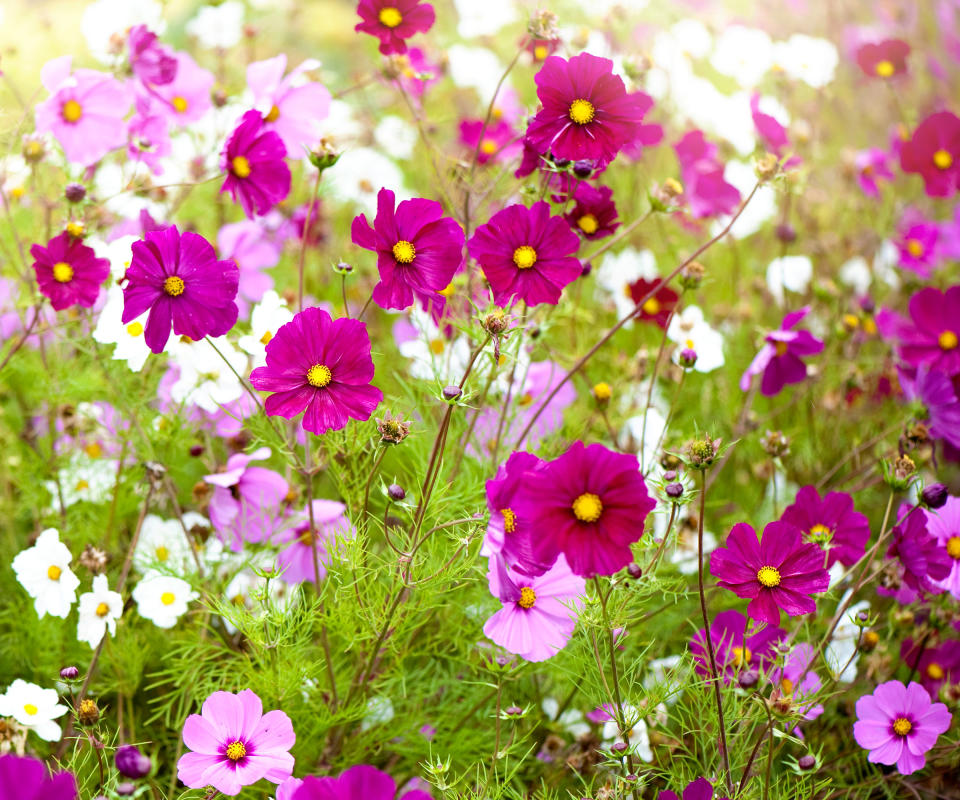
303 242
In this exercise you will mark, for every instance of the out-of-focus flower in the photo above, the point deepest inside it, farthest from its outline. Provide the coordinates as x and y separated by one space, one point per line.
933 152
704 186
594 214
27 779
735 654
872 165
394 21
299 542
931 337
779 360
886 59
831 523
253 159
68 272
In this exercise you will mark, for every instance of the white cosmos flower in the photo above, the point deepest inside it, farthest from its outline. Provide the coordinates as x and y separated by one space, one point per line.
129 339
744 54
218 26
760 210
807 58
163 599
266 319
162 546
483 19
789 272
434 356
636 438
395 136
99 611
637 736
205 380
572 720
83 479
475 68
44 571
379 711
106 20
34 708
689 330
856 274
843 644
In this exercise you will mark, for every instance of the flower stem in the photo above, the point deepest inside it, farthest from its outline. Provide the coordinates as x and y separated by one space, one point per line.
303 242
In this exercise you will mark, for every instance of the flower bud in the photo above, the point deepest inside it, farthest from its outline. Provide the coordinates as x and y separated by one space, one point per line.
634 570
748 680
807 762
674 490
670 475
393 430
513 711
687 358
786 233
396 492
131 762
33 150
343 268
87 712
126 788
691 276
934 496
451 393
583 168
766 167
75 192
775 444
619 747
196 450
70 673
602 392
495 323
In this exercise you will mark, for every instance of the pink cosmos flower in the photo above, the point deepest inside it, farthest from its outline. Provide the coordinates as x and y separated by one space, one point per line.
249 245
394 21
779 360
657 309
648 134
704 187
771 132
590 504
500 142
296 558
923 565
185 99
418 250
933 152
778 572
358 782
931 337
539 614
917 242
872 165
68 272
246 501
417 71
321 367
734 653
85 111
526 254
699 789
178 279
885 59
944 525
234 744
936 665
898 724
587 112
27 778
935 392
291 108
152 62
831 523
253 159
148 138
594 214
503 522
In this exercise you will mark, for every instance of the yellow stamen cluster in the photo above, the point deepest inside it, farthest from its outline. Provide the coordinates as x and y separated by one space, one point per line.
71 111
167 598
240 167
102 610
947 340
62 272
587 507
769 576
902 726
935 671
173 285
509 519
582 111
272 115
54 572
236 750
390 16
404 252
651 307
135 329
180 104
527 597
884 69
524 257
741 656
319 375
942 159
588 224
953 547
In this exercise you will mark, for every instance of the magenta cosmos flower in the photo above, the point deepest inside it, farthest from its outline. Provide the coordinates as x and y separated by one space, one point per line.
587 112
941 406
872 165
933 152
394 21
526 254
68 272
936 665
931 337
257 176
292 108
925 564
779 360
499 140
539 614
733 653
704 188
594 213
917 241
589 504
418 250
358 782
152 62
777 573
28 779
503 522
185 99
831 523
296 557
321 367
235 744
796 681
699 789
883 59
898 724
178 279
85 111
944 525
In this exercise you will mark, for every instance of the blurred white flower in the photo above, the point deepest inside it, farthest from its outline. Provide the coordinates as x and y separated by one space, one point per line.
843 645
266 319
162 546
106 21
792 273
744 54
760 210
856 274
360 174
205 380
476 68
82 479
395 136
379 711
689 330
218 26
637 736
483 18
618 270
807 58
434 356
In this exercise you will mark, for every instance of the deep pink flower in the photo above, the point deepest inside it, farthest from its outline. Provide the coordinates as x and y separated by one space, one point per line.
884 59
526 254
541 49
727 633
657 309
418 250
917 242
831 523
777 573
779 360
935 392
649 134
706 191
503 522
594 214
178 279
898 724
186 98
539 614
321 367
699 789
590 504
85 111
148 138
68 272
152 62
296 557
253 159
234 744
924 563
944 525
360 782
872 165
796 680
933 152
772 133
394 21
587 112
936 665
291 108
500 142
27 778
931 337
417 72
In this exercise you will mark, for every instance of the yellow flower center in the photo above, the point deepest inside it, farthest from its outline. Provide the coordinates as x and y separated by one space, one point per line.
319 375
540 52
524 257
935 671
587 507
588 224
781 348
819 532
62 272
488 147
273 115
581 111
942 159
915 247
769 576
180 104
602 391
135 329
31 709
236 750
741 656
265 339
240 167
71 111
93 450
953 547
390 16
527 597
447 291
651 307
884 69
167 598
786 686
902 726
162 553
102 610
81 485
437 346
75 229
54 572
509 520
404 251
174 285
947 340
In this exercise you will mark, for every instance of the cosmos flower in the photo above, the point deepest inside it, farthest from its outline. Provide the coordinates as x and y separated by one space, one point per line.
777 573
941 406
68 272
539 614
885 59
27 779
705 189
935 665
394 21
151 62
503 522
657 309
418 250
733 653
98 612
594 214
185 99
44 571
898 724
587 112
148 139
796 680
779 360
254 250
917 241
931 337
178 279
526 254
257 176
360 781
933 152
699 789
163 547
234 744
923 563
321 367
831 523
590 504
872 165
499 140
34 708
771 132
162 599
296 557
944 525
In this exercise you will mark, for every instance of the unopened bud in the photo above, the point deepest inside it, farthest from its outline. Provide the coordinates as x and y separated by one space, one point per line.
674 490
87 712
602 392
70 673
451 393
396 492
75 192
934 496
634 570
807 762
